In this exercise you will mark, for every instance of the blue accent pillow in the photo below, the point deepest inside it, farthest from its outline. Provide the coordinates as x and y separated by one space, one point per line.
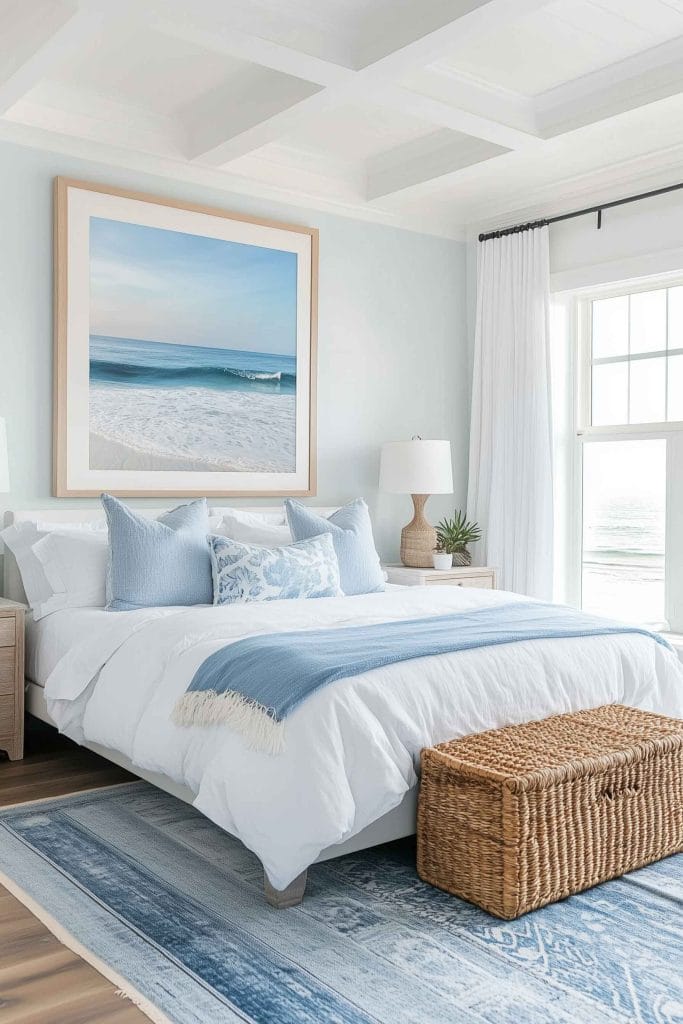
351 532
249 572
162 561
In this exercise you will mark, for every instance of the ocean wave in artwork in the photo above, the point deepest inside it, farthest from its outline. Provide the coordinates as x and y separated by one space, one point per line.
104 370
138 363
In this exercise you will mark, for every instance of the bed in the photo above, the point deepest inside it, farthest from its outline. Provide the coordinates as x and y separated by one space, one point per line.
348 777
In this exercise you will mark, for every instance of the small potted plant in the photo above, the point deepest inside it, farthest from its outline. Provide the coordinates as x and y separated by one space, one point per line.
452 537
441 558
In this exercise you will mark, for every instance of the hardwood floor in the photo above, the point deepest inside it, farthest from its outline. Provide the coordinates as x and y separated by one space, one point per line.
53 766
41 981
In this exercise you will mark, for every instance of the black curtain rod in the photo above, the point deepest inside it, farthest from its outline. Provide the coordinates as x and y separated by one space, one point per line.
579 213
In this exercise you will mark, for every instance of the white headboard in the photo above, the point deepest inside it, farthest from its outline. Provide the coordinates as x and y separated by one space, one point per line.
12 585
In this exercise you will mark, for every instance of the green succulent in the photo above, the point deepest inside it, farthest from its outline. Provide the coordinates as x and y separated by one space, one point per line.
453 535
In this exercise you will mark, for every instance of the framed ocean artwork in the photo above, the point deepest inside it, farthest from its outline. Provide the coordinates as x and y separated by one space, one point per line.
185 348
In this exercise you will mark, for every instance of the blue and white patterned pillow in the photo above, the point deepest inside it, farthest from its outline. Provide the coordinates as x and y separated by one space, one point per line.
247 572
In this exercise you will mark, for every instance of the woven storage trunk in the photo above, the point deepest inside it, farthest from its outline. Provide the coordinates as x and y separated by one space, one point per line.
515 818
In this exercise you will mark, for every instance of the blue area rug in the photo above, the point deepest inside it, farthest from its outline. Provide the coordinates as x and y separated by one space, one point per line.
175 906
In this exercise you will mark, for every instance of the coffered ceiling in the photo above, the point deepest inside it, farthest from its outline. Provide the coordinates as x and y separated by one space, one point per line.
429 114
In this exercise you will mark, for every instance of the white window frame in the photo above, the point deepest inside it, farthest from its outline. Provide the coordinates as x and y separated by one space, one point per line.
584 350
582 431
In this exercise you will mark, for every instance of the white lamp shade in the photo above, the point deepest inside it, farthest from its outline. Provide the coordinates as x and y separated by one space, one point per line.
416 467
4 460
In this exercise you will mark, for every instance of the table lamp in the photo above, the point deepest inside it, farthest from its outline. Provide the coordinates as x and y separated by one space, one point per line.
418 468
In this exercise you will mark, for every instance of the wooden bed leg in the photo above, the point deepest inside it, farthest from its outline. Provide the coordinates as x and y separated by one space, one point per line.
292 896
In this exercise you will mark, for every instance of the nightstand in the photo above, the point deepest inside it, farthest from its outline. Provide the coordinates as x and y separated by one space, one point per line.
12 678
458 576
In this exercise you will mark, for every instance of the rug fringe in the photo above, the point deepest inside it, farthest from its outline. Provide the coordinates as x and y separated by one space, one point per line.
256 723
143 1005
123 987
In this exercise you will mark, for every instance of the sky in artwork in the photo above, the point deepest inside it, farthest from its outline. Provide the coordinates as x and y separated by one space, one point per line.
156 285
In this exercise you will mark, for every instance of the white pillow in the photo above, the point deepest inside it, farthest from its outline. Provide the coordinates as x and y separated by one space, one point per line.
269 530
67 571
75 567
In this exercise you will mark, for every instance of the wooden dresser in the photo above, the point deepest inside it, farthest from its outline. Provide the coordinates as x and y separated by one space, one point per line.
12 678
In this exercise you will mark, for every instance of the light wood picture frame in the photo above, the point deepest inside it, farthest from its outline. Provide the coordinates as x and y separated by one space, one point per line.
185 348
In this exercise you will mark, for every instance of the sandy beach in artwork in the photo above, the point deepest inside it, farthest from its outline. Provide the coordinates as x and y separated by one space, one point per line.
192 429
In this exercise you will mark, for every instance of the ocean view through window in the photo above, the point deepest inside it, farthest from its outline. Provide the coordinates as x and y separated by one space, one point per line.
624 519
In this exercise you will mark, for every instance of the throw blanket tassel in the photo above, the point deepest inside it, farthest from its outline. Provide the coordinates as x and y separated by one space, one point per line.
256 723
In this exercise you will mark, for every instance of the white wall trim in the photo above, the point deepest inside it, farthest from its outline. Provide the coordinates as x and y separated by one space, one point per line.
668 261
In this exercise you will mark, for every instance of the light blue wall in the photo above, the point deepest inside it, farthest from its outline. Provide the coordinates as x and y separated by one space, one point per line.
392 336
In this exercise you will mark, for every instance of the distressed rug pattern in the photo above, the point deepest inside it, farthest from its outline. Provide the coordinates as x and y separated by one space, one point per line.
175 907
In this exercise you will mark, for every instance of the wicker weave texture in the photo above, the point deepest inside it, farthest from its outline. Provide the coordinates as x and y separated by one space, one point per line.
515 818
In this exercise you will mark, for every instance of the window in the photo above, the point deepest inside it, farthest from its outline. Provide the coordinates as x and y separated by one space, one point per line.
623 525
636 358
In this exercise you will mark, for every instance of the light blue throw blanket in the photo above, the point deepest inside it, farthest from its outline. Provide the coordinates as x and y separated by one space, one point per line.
254 684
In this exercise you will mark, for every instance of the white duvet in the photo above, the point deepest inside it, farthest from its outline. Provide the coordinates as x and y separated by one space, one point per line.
352 749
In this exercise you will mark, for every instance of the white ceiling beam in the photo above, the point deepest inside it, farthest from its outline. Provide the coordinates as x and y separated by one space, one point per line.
56 33
455 117
645 77
220 150
256 50
459 88
424 160
372 84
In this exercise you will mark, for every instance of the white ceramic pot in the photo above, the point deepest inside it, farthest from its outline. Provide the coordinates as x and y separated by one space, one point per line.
442 560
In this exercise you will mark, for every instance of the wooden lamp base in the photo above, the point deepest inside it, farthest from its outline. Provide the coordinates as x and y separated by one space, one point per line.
418 538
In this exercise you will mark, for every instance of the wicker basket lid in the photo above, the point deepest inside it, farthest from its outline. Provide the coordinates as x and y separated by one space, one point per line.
519 751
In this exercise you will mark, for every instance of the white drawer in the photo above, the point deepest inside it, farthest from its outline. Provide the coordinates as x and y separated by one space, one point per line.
462 581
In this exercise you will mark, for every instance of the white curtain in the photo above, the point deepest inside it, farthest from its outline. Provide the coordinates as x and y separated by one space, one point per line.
510 478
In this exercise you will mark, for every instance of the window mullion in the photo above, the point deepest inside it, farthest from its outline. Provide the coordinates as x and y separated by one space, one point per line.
635 358
673 557
666 358
628 373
